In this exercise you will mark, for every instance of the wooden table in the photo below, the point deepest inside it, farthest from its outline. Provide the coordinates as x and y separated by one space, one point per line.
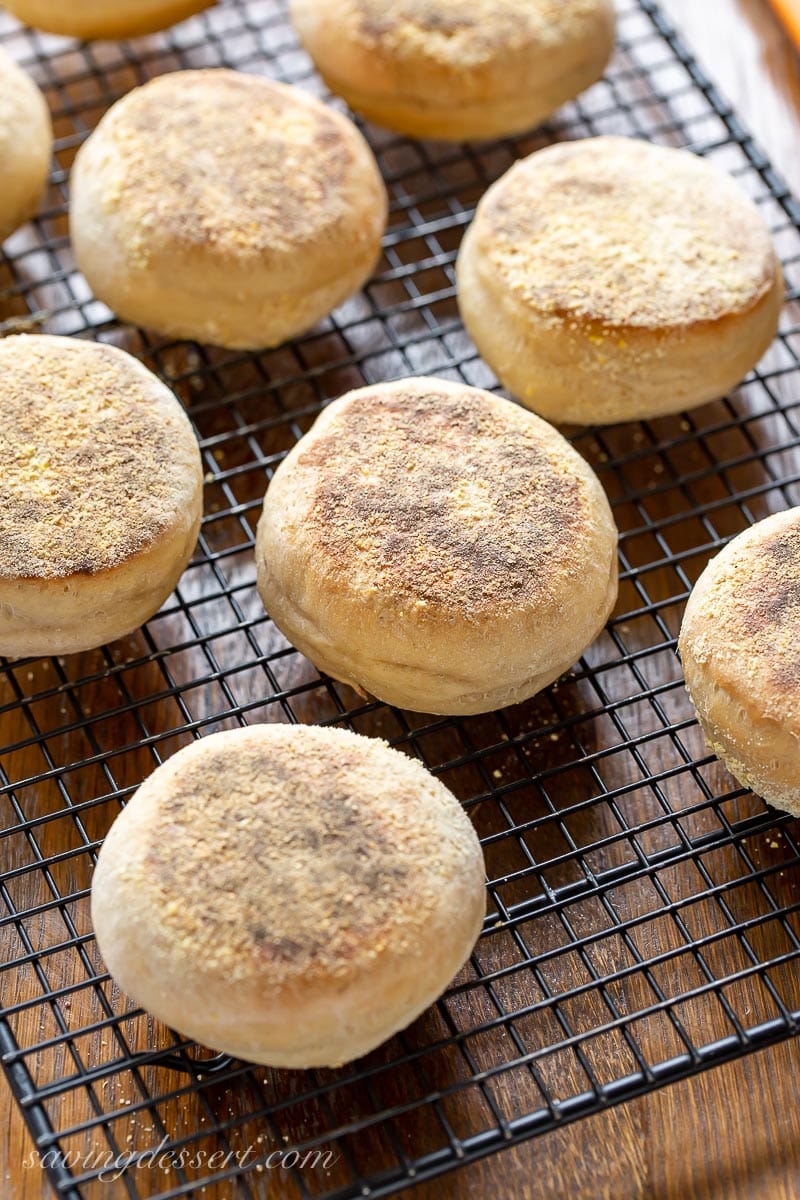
732 1133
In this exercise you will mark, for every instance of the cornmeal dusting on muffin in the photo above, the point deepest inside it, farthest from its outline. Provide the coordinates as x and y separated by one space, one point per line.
747 615
95 458
467 34
450 500
11 101
624 233
268 167
336 872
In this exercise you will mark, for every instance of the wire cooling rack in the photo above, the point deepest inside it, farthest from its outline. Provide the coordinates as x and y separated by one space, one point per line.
643 916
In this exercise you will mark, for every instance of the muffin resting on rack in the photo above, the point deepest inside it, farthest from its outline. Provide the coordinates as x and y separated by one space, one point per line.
611 280
740 650
100 494
226 208
104 18
26 145
288 894
457 69
437 547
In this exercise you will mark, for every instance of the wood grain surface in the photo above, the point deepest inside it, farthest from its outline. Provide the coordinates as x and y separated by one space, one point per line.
732 1133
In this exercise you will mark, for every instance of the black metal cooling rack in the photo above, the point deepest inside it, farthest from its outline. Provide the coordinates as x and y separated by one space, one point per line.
643 916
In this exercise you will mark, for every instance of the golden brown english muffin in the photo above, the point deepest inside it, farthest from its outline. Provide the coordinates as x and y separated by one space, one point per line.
100 494
26 145
609 280
226 208
104 18
287 894
457 69
740 648
437 547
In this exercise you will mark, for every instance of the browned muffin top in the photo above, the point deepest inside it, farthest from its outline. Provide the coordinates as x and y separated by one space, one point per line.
469 34
745 619
98 458
225 160
304 850
620 232
443 497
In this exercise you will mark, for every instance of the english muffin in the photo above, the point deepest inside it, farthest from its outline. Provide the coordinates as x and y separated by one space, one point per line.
609 280
26 145
104 18
437 547
226 208
740 649
457 69
287 894
100 494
